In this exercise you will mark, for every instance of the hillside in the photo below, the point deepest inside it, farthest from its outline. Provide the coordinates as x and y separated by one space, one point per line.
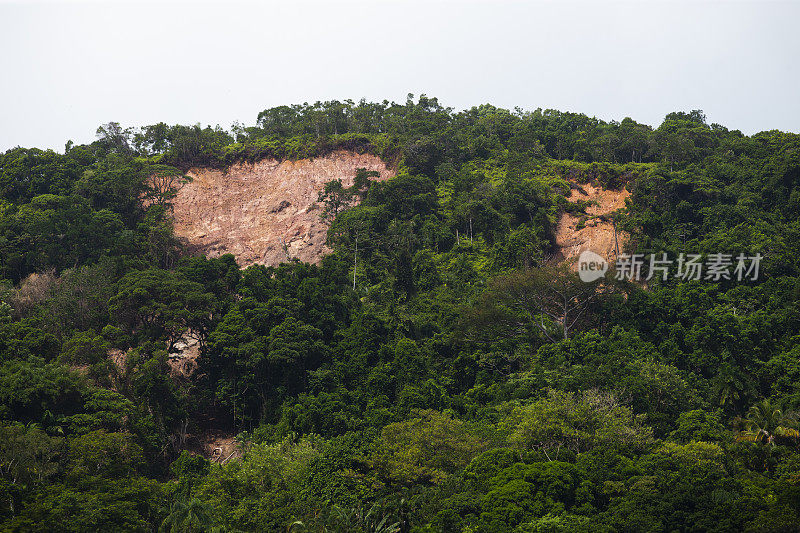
413 353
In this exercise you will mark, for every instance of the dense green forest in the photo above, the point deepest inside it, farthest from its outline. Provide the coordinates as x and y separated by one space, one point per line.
425 390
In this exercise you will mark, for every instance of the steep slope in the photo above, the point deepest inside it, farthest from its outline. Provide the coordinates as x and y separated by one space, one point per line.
593 231
264 212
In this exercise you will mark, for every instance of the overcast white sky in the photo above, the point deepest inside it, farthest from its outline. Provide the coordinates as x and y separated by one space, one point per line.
70 66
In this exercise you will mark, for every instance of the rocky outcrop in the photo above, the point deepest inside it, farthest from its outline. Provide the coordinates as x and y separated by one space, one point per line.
183 356
264 212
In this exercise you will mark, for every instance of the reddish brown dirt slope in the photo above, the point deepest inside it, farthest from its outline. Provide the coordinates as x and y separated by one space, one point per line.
253 210
597 234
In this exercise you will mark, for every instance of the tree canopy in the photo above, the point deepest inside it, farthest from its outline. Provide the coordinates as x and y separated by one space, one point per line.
437 370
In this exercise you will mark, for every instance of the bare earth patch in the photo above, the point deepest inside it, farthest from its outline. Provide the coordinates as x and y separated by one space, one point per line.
183 357
597 233
264 212
215 446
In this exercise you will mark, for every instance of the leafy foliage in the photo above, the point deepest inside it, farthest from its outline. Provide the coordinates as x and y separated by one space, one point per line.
436 371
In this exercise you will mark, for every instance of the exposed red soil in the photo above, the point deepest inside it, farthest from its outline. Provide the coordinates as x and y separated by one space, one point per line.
264 212
597 233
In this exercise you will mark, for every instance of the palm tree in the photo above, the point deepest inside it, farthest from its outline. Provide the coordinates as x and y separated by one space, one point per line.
728 385
368 521
355 520
765 421
187 516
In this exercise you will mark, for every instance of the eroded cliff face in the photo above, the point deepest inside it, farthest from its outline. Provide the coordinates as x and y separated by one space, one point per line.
264 212
597 232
